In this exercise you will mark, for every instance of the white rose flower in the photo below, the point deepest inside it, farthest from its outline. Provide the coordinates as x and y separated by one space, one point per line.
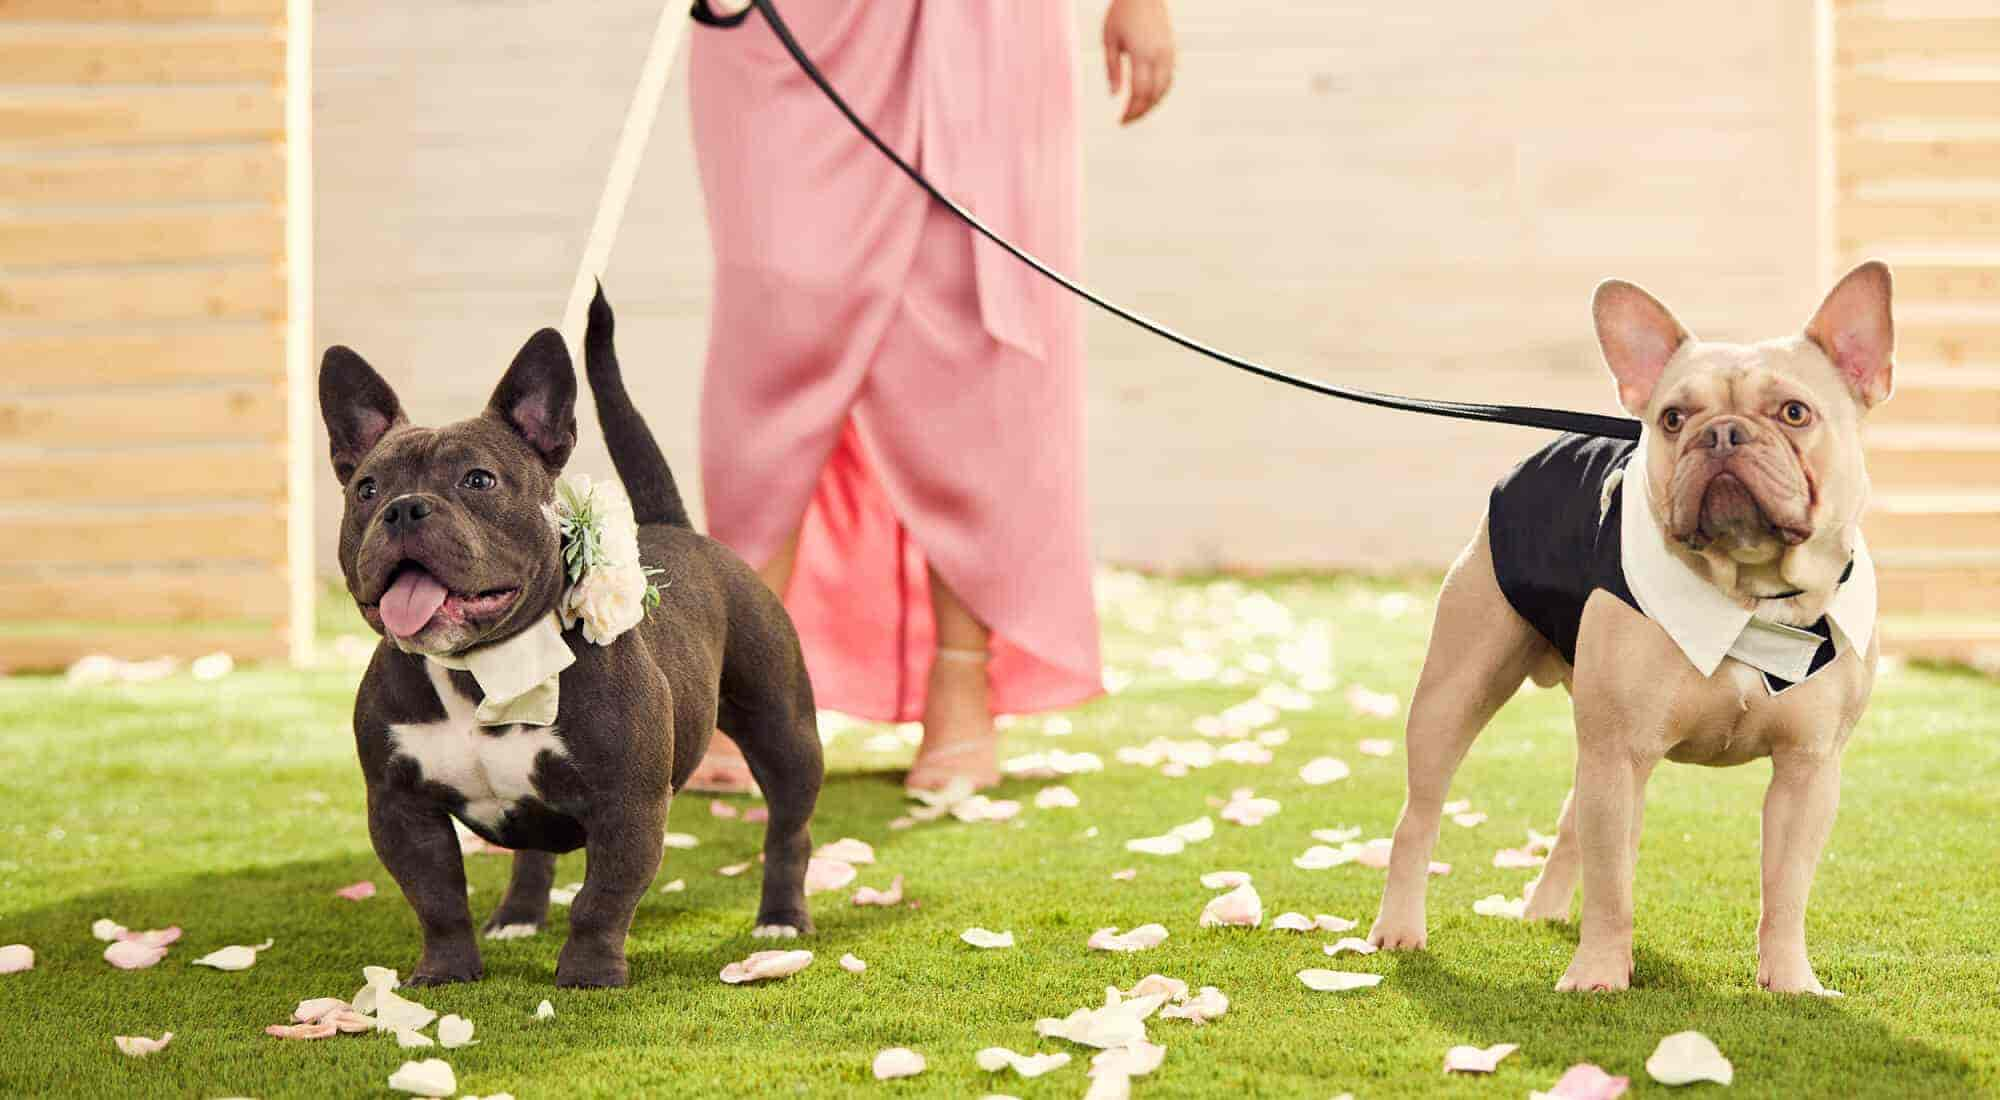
609 601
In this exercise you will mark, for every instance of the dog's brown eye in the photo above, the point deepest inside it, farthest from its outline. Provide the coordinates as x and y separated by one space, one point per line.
1672 420
365 489
478 479
1796 414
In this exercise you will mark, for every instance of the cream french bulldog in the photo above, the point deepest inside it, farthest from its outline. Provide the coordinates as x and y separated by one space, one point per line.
1704 594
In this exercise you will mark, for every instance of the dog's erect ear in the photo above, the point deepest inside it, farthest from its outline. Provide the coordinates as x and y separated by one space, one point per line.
1638 335
1853 327
537 398
358 406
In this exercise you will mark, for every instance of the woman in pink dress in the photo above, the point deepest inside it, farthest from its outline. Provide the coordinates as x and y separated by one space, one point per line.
891 417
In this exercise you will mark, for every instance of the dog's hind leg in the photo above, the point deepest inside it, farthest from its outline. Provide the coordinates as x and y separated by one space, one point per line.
780 740
1480 652
1555 888
522 912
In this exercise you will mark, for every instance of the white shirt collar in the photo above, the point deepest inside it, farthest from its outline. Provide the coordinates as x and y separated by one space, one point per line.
1704 622
520 676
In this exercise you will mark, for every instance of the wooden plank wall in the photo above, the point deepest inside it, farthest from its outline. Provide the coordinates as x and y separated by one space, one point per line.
1916 169
152 270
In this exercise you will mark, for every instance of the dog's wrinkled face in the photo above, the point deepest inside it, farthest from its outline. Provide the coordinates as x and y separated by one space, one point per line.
444 542
1754 450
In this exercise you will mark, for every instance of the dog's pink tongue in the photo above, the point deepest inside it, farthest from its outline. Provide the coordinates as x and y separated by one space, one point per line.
411 601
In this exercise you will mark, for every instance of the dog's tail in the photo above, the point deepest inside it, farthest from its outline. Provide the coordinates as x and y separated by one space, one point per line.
634 452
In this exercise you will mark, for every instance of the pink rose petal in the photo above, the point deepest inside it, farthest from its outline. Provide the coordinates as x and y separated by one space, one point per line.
1248 809
1322 770
1126 875
1372 704
1200 1008
1376 746
1517 859
360 891
1225 880
134 954
828 874
1464 1059
157 937
349 1022
766 965
1240 908
757 815
719 808
1458 805
1138 939
847 850
1440 868
1584 1081
1469 820
898 1062
317 1009
981 808
317 1030
868 895
16 957
138 1046
1292 922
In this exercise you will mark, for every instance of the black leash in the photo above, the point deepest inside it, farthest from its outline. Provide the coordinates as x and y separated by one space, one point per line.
1561 420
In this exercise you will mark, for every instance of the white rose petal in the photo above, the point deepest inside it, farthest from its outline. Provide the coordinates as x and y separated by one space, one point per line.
1469 820
898 1062
680 840
852 964
733 869
1157 985
16 957
1138 939
106 929
1337 981
847 850
980 937
1225 880
1336 836
1322 770
233 957
1201 1008
455 1031
868 895
1240 908
545 1011
995 1059
564 895
1248 811
1375 746
430 1077
1351 943
1465 1059
1292 922
1168 845
138 1046
1136 1060
1500 905
765 965
1686 1057
674 887
408 1039
1056 798
1194 831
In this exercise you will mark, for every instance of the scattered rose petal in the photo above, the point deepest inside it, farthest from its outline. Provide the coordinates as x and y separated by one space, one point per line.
734 869
213 666
16 957
1319 857
1375 853
317 1009
1584 1081
1292 922
981 808
868 895
828 874
1336 836
898 1062
1464 1059
360 891
106 929
1686 1057
1247 809
1337 981
138 1046
349 1022
455 1031
1195 831
757 815
1500 905
980 937
1052 764
374 981
764 965
158 937
547 1011
852 964
430 1077
1351 943
847 850
1135 1060
1112 1026
1138 939
1201 1008
411 1040
719 808
995 1059
1371 704
233 957
1322 770
1517 859
1167 845
1056 798
674 887
1109 1086
1243 752
680 840
1126 875
315 1030
1273 738
1469 820
564 895
1157 985
1225 880
1327 922
1240 908
1458 805
393 1010
1440 868
1376 746
134 954
1540 842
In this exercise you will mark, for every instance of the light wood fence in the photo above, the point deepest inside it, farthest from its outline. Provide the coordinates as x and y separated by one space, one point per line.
1916 167
155 291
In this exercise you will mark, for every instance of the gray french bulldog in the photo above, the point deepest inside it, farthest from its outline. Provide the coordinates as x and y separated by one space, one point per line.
480 705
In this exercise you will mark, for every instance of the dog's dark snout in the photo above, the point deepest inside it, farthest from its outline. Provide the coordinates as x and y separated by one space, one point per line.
405 512
1725 435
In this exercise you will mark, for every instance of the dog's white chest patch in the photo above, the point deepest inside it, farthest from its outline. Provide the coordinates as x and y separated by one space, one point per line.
491 767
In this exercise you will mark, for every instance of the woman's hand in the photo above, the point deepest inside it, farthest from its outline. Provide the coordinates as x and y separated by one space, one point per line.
1139 31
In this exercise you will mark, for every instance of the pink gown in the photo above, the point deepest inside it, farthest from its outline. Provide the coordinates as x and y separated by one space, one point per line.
903 396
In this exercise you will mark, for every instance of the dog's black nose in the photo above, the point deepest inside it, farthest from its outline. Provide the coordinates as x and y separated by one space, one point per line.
1724 436
404 513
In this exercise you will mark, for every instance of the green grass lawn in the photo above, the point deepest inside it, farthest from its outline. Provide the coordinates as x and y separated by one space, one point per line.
234 809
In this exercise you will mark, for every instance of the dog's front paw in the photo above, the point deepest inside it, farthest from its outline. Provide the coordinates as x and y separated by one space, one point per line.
585 967
782 925
445 969
1597 972
1399 928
